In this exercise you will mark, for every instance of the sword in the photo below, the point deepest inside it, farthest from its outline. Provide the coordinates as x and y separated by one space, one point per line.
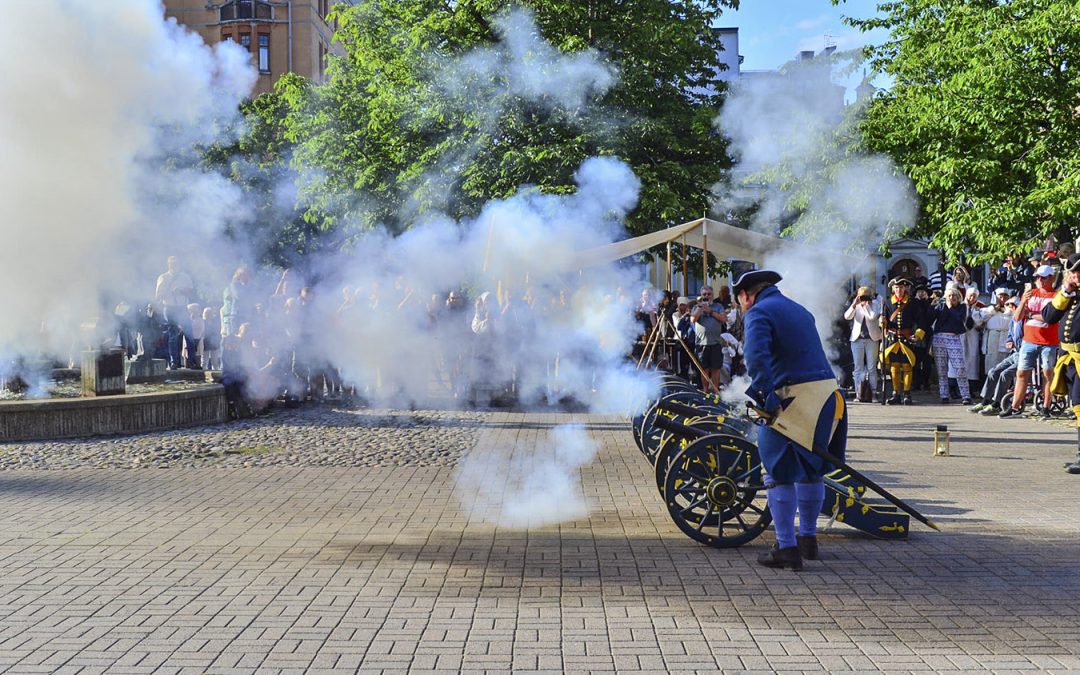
759 416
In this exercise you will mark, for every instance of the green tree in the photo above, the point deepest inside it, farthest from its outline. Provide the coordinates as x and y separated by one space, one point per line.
258 160
386 139
984 116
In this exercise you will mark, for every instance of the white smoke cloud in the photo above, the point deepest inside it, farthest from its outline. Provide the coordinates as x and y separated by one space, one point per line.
525 65
791 137
101 134
528 488
95 195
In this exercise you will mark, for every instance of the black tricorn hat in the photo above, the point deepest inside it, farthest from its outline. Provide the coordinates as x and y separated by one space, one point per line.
896 281
753 277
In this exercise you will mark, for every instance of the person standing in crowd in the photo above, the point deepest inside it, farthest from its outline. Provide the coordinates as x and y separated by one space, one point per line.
936 282
724 297
790 375
905 321
173 293
1063 312
646 314
1000 378
194 345
996 321
710 322
1008 275
865 317
1040 341
973 335
685 329
924 363
211 339
950 322
237 303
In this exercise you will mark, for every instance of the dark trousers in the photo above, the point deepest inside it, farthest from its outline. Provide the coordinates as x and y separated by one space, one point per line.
178 334
924 366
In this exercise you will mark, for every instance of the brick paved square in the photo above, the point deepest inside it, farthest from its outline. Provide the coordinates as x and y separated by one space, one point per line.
385 568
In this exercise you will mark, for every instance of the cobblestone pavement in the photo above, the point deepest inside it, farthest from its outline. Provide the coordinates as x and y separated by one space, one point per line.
211 566
309 436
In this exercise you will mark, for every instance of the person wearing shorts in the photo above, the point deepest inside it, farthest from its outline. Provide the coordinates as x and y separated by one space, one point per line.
1040 340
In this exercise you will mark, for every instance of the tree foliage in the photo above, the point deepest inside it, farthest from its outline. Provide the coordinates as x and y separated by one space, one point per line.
984 116
386 139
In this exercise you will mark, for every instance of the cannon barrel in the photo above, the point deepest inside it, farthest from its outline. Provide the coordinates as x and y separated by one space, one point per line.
681 408
681 430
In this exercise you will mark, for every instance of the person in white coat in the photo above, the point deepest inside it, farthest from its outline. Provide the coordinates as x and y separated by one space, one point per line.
995 320
973 337
865 316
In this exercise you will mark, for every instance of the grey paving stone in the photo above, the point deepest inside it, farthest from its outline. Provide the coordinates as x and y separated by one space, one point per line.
347 549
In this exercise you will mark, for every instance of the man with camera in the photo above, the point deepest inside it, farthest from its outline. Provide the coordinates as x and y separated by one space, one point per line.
710 321
864 315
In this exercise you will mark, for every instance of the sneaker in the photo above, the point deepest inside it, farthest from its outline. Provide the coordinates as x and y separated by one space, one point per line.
1044 414
907 399
990 410
966 401
1011 412
895 400
978 407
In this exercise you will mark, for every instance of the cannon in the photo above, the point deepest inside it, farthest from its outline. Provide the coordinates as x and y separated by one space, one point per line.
708 472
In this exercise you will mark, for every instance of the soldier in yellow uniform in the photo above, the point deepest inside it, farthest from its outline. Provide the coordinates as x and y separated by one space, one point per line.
1064 310
904 320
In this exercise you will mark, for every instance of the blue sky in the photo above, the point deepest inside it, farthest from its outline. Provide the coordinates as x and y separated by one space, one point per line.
771 32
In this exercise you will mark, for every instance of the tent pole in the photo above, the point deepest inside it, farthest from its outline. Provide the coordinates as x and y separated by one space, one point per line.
685 278
704 252
669 266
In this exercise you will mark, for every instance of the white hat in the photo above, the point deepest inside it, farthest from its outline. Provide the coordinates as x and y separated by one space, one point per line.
1044 271
683 300
1001 291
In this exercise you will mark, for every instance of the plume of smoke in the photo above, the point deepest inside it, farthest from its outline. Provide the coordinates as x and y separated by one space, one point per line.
483 84
531 489
533 319
523 64
101 135
97 191
799 166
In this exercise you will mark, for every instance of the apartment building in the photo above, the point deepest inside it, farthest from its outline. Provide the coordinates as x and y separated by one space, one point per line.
281 35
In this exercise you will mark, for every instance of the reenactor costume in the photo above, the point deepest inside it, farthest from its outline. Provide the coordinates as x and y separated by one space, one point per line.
905 321
793 382
1064 310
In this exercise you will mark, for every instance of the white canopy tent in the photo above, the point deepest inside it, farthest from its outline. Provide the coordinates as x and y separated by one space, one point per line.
720 239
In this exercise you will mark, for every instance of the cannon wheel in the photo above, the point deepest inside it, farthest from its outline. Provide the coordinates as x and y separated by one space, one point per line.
670 445
714 492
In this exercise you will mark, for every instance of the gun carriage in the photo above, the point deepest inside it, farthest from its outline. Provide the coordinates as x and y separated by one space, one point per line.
708 471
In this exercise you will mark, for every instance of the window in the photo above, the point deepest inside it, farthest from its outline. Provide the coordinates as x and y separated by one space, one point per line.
322 60
264 53
245 9
324 8
245 41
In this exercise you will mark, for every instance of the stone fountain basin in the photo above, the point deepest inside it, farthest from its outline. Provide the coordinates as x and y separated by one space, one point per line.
108 415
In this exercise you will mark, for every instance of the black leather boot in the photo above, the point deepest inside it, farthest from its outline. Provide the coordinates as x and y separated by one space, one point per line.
781 558
808 547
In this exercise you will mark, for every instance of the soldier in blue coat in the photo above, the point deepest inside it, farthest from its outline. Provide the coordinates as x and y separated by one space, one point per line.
792 381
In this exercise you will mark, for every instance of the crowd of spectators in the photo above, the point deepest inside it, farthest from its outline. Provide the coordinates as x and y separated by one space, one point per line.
693 336
991 351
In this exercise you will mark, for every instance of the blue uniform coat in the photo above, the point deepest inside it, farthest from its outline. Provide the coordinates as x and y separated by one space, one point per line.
782 348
